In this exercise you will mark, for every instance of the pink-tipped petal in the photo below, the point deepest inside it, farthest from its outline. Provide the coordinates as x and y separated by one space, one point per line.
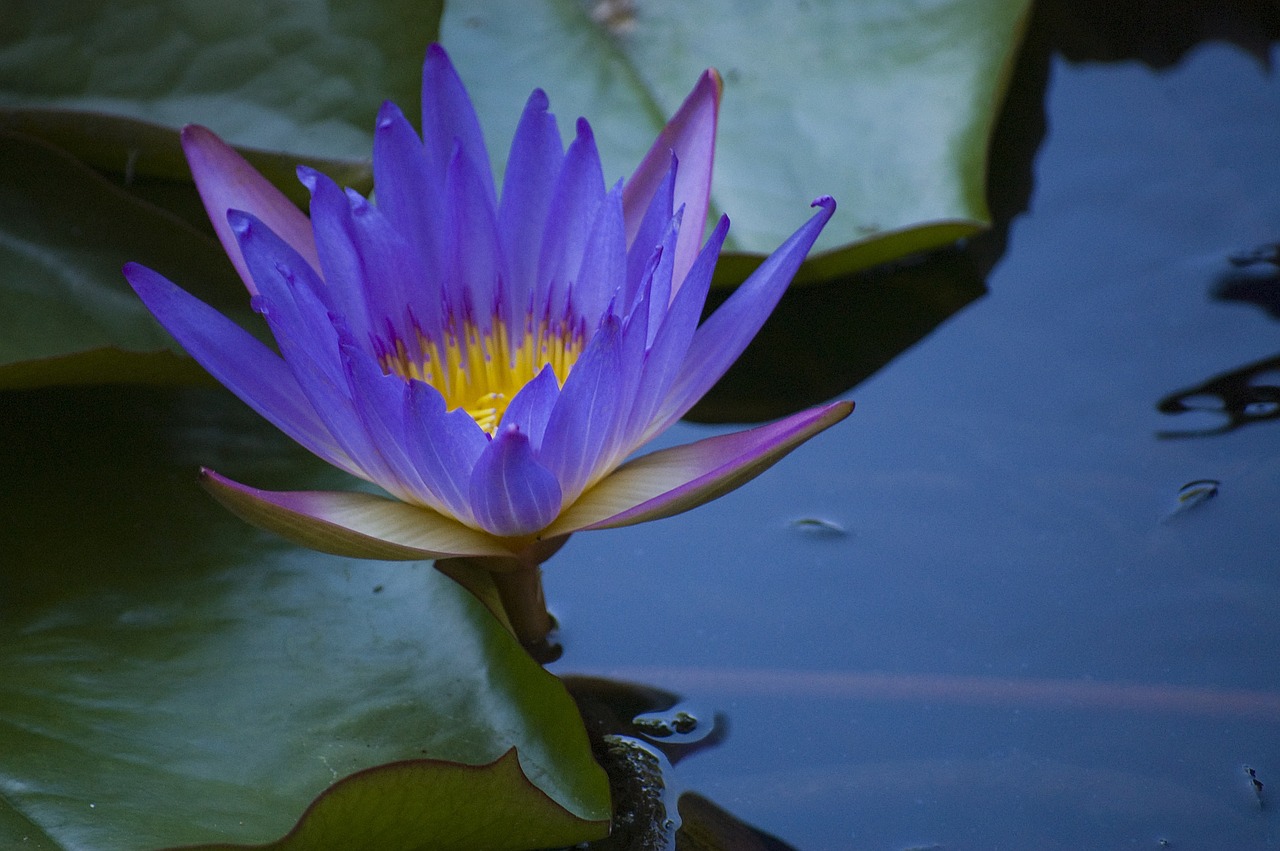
356 525
691 135
227 182
674 480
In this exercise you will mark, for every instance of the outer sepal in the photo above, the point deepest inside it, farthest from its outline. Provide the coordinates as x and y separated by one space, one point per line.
691 136
353 524
672 481
227 182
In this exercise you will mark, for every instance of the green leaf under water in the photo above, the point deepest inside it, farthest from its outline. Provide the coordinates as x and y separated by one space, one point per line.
171 676
887 105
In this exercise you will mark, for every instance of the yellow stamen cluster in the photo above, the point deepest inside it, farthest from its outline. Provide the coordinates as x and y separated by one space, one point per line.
481 373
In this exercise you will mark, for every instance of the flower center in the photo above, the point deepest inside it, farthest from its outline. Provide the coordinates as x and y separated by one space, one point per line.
482 372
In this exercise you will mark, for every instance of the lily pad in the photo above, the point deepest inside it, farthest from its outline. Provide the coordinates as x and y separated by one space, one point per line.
456 808
304 78
66 312
171 676
886 105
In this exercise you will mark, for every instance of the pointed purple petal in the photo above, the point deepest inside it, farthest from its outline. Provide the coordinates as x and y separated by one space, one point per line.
392 278
379 403
670 344
691 135
309 341
671 481
718 341
532 169
336 245
511 493
239 361
357 525
444 446
660 282
604 261
227 182
530 410
476 258
578 193
581 432
653 229
409 192
448 117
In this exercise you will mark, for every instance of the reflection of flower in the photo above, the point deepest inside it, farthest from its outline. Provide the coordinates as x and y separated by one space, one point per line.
490 364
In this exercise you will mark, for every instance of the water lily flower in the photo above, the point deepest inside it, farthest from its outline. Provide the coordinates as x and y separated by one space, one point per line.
490 363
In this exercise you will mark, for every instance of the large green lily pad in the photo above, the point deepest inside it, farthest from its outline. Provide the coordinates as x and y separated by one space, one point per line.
170 676
887 105
304 77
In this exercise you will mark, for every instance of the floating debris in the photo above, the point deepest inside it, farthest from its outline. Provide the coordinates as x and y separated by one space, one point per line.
1256 784
1193 495
818 526
679 723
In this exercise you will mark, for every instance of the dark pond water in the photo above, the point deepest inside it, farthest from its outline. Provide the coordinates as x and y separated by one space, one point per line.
977 614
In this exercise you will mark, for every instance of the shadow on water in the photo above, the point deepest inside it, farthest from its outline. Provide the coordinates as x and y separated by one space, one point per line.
1251 393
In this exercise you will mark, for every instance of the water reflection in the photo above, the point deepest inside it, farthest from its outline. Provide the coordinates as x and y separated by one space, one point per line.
1250 394
1240 397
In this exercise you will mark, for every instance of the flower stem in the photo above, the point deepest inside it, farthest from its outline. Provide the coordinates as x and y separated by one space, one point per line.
526 606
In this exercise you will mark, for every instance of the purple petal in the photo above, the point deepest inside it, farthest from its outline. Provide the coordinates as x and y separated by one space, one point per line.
339 257
511 493
393 283
532 169
691 135
530 410
409 192
653 228
718 341
581 432
243 364
309 341
670 344
379 403
444 446
660 282
473 274
357 525
227 182
604 261
449 120
671 481
578 193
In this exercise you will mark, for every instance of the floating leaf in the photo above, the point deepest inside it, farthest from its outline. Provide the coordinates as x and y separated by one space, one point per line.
427 805
304 78
171 676
886 105
66 312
